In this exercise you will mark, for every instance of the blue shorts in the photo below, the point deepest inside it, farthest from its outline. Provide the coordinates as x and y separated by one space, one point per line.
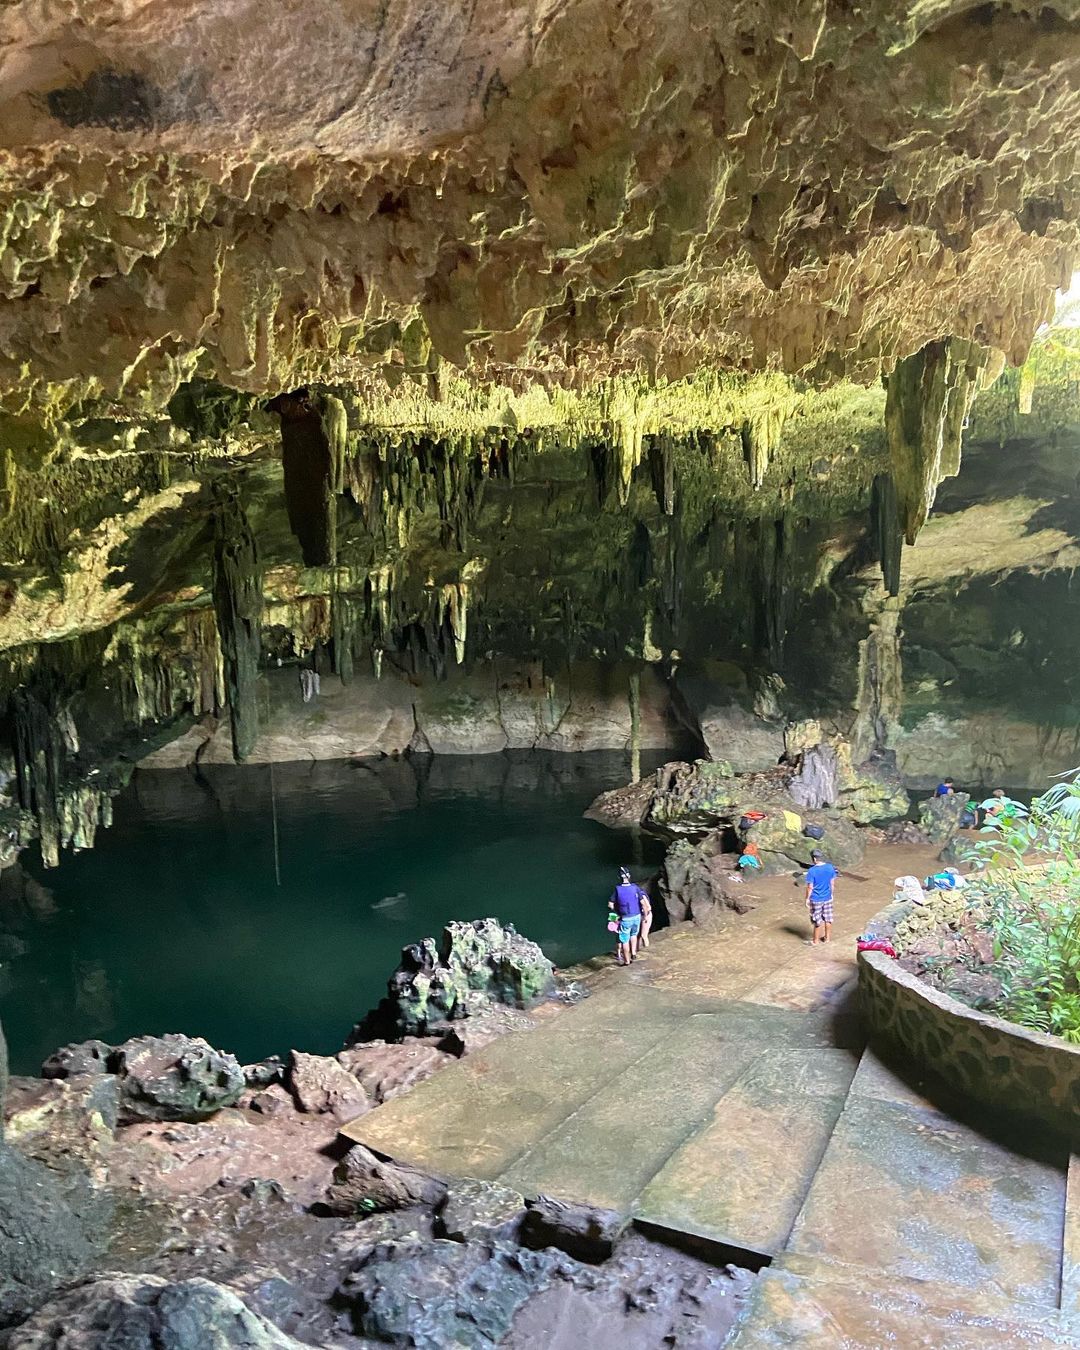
629 927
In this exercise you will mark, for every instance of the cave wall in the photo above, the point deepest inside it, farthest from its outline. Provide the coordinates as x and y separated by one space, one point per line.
493 571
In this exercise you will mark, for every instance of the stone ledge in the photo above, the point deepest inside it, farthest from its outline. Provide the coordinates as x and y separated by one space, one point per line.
986 1058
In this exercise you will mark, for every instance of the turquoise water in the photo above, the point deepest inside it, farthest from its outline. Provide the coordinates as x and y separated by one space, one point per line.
176 920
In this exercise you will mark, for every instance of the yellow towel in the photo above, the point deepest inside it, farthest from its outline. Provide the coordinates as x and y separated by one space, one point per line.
792 821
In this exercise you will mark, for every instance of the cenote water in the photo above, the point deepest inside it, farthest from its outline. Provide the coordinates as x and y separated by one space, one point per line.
176 920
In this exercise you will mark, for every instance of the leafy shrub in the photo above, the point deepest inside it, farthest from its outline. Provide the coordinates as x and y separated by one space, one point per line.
1031 897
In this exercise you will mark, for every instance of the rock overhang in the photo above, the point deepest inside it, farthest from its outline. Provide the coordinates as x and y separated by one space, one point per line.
536 193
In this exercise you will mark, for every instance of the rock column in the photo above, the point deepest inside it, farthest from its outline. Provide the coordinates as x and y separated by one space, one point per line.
238 602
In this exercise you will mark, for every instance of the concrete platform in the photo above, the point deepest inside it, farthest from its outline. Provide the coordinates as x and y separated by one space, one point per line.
740 1179
817 1310
906 1189
718 1089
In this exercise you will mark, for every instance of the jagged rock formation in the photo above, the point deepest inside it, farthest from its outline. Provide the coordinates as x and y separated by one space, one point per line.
570 358
929 397
170 1077
476 966
144 1311
568 191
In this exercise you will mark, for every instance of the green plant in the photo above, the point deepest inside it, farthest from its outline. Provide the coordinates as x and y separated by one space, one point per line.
1030 895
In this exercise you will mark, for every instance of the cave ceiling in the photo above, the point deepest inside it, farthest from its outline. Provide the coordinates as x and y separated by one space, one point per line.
544 193
734 273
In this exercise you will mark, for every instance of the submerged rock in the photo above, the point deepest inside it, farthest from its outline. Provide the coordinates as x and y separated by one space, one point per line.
172 1077
144 1312
477 966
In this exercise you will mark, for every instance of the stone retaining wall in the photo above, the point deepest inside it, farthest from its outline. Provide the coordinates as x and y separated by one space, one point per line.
985 1057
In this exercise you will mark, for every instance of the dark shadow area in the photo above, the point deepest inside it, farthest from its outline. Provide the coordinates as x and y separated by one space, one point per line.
1020 1131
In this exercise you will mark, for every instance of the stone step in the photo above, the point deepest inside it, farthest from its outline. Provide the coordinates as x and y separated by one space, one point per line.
475 1118
905 1190
821 1306
740 1180
606 1151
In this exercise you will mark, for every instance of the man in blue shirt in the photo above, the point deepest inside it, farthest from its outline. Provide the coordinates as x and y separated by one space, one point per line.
945 788
820 880
629 902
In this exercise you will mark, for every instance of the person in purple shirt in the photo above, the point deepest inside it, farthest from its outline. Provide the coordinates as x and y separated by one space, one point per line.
820 881
630 903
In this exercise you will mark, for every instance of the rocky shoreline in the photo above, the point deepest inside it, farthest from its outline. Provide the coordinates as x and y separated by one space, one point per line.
163 1191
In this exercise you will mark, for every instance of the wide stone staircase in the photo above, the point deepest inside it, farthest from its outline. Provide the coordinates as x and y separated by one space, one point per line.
757 1127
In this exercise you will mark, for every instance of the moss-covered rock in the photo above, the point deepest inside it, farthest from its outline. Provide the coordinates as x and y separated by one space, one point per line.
475 966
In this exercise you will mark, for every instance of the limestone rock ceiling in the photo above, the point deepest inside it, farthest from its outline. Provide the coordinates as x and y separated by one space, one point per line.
554 190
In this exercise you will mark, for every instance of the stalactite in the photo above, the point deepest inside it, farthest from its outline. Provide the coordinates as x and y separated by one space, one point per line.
39 755
601 462
454 612
343 628
313 437
67 809
887 532
773 595
662 469
928 397
238 603
639 557
761 435
202 641
635 727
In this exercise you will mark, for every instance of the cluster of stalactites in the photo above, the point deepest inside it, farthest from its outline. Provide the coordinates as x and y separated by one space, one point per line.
391 475
159 680
928 398
395 477
368 614
66 811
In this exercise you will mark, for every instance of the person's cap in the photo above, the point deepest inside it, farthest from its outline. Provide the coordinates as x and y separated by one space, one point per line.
817 855
624 874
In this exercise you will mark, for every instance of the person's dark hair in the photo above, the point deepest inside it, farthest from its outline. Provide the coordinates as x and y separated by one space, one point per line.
624 874
947 781
816 855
